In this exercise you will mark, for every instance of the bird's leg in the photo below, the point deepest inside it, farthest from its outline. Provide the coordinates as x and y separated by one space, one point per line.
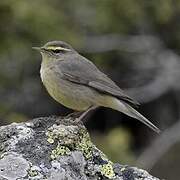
83 114
74 115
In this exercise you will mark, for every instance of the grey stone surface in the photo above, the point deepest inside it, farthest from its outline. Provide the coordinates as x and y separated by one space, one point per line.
55 148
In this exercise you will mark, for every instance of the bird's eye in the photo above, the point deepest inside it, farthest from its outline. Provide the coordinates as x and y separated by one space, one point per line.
57 51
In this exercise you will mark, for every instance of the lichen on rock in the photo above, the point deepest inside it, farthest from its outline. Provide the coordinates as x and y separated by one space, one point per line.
55 148
107 170
60 151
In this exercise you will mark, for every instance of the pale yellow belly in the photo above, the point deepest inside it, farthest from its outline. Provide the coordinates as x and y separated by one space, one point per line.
71 95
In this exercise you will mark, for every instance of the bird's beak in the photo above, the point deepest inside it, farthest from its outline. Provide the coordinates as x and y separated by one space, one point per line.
37 48
40 49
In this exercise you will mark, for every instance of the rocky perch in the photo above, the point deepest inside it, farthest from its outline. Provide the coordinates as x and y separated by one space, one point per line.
55 148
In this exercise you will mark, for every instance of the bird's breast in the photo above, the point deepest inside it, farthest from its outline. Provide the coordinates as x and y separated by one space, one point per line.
50 81
71 95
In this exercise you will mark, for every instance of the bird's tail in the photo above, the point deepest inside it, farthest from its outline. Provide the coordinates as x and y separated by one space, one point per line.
130 111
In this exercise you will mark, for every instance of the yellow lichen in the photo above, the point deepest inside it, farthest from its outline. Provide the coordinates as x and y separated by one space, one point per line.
123 169
59 151
50 140
77 139
67 135
85 145
107 170
51 137
33 173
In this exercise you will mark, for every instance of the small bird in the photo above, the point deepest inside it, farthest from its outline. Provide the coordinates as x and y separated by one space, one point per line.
78 84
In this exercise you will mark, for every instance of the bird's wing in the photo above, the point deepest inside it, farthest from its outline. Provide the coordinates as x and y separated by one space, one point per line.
82 71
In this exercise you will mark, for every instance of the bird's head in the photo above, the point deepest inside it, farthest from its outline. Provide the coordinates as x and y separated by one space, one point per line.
55 50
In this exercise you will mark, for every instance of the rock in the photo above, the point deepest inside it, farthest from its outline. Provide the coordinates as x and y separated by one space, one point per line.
55 148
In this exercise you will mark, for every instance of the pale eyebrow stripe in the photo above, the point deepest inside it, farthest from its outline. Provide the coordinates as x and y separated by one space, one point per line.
57 48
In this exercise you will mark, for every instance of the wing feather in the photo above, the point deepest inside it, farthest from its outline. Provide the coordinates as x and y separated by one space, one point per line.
82 71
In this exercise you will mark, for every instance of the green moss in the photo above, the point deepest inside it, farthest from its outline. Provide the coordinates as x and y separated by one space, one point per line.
107 170
60 151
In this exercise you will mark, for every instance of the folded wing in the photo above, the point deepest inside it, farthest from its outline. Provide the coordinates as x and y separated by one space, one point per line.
82 71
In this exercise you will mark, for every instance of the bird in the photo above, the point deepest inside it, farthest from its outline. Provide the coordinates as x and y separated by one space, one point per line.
75 82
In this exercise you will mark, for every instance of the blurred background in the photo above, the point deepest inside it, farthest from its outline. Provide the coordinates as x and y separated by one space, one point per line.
135 42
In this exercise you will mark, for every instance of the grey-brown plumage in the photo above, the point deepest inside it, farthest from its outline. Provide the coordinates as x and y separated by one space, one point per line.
77 83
